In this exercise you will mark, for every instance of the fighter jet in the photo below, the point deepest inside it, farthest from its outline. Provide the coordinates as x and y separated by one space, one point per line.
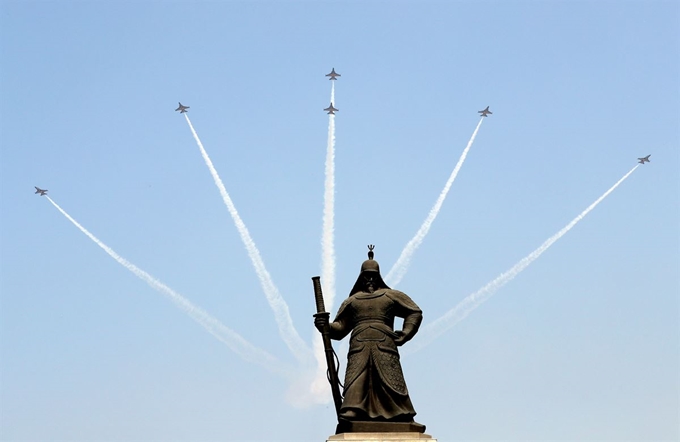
182 109
333 75
40 191
331 110
644 160
485 112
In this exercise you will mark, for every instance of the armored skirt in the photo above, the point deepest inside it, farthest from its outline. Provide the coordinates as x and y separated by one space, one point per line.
374 383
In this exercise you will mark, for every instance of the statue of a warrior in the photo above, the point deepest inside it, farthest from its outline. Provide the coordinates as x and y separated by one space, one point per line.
374 389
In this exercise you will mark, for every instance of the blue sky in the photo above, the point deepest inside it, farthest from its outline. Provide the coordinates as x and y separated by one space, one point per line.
582 345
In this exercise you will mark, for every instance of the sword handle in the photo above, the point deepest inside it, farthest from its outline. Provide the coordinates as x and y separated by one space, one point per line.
318 295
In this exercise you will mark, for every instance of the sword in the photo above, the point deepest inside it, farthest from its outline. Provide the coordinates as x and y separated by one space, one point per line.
325 335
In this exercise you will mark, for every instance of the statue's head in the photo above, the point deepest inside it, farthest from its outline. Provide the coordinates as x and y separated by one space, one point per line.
369 279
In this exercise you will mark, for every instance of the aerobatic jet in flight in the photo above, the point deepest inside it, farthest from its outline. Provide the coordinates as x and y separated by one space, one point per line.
485 112
40 191
331 110
182 109
334 75
644 160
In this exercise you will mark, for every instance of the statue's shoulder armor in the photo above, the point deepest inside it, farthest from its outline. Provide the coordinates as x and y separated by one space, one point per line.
403 299
344 305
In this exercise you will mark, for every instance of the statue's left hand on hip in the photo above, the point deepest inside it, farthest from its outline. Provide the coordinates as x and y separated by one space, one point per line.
400 339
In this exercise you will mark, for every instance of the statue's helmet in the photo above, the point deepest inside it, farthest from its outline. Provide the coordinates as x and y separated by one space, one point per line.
370 265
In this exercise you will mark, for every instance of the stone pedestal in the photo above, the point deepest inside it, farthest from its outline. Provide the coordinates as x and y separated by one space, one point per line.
382 437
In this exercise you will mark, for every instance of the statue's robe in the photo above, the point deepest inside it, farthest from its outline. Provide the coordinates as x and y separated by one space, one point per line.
374 382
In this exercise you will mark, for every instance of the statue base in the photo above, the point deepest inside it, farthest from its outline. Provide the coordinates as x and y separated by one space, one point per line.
382 437
371 431
346 426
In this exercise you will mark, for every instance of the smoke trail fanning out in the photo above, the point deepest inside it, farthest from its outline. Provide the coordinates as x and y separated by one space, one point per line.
232 339
287 330
459 312
327 240
399 268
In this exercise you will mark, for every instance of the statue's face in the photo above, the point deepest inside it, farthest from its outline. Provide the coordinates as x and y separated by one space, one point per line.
369 281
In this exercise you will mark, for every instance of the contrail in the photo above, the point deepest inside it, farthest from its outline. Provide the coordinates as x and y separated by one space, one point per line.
285 323
233 340
327 239
318 389
459 312
399 268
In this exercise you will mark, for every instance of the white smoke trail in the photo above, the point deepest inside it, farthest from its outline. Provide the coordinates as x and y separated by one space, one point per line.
232 339
399 268
327 240
436 328
284 321
318 388
332 92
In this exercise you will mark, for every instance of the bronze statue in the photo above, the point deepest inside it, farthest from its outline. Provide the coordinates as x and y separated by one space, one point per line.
375 392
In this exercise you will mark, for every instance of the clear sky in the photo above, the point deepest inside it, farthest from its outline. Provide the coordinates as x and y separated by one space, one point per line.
584 344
